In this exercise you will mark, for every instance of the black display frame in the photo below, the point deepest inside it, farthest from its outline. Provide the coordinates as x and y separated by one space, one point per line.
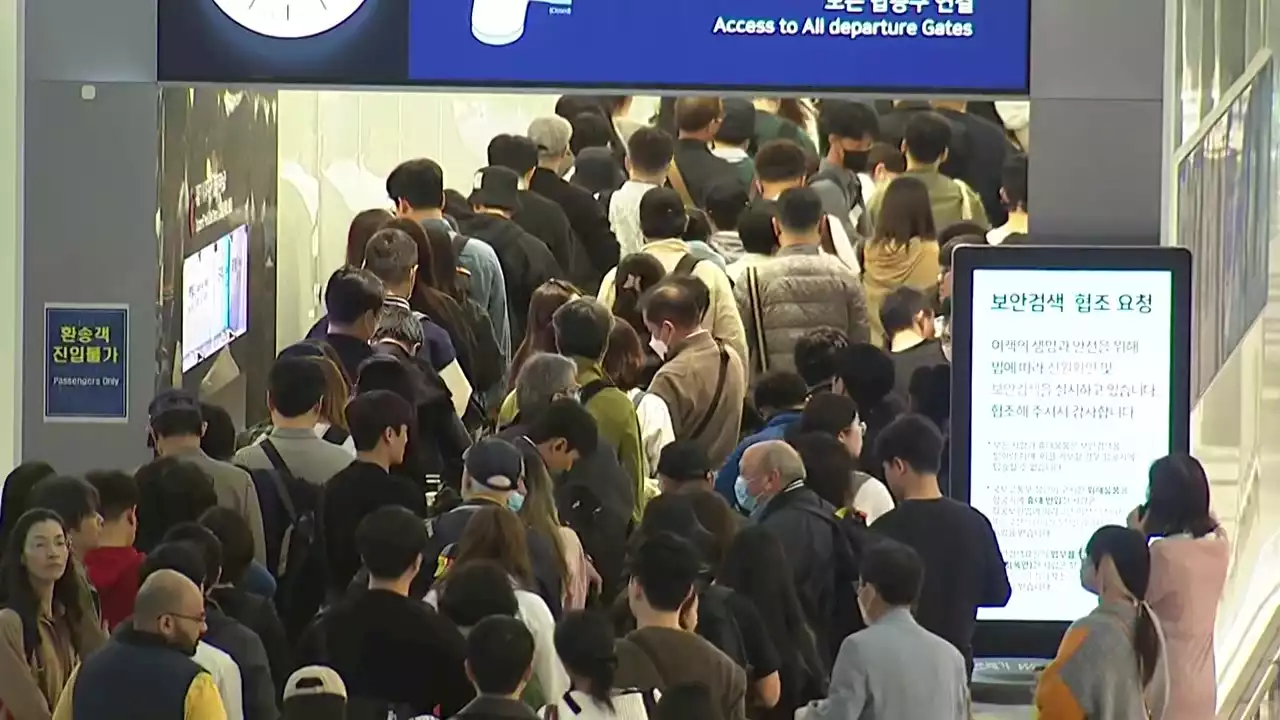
1040 639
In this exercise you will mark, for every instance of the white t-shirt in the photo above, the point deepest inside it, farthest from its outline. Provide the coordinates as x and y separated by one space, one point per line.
226 677
537 617
873 499
627 705
656 431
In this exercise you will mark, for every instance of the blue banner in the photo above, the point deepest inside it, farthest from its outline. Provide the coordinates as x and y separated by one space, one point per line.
805 47
86 363
815 45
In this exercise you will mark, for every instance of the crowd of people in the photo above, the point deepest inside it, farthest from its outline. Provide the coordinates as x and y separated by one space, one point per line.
653 423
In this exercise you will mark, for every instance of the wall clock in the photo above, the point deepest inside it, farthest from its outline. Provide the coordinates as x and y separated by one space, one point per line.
289 18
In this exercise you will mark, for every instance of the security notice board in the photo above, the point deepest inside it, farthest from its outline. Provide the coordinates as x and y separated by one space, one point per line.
809 46
86 363
1071 370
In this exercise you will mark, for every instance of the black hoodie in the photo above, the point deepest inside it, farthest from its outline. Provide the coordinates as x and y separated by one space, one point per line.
526 263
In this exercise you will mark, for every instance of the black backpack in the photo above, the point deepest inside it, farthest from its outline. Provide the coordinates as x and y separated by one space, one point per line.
298 560
717 625
488 367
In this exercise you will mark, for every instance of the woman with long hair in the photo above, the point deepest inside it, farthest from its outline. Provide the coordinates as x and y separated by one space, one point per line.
497 535
363 227
1111 663
539 336
757 568
1190 555
44 628
787 118
17 486
538 510
625 364
585 644
904 249
337 391
636 273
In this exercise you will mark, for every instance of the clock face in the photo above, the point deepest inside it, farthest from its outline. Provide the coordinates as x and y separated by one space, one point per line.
289 18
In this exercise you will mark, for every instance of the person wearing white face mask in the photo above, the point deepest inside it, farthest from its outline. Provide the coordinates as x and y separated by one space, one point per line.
867 679
702 378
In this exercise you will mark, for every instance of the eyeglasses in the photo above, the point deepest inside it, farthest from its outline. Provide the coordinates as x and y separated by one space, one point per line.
193 618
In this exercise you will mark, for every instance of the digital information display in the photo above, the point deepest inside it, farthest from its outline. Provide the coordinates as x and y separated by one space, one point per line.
215 297
975 46
1070 401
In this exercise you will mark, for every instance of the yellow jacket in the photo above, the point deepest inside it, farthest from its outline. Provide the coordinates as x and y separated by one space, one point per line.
202 702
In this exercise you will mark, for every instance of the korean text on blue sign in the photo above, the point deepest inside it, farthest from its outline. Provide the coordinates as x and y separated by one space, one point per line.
86 363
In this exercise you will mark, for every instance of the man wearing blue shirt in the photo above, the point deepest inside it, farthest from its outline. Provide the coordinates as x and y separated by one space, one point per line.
417 189
779 396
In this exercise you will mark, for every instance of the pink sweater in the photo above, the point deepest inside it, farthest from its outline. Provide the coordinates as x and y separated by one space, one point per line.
1187 576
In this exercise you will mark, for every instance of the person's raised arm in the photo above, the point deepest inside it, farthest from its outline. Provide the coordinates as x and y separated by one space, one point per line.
849 693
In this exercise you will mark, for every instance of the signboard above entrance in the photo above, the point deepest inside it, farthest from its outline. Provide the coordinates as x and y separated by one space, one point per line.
808 47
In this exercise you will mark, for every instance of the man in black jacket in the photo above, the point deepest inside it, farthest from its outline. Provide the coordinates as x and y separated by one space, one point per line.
494 478
587 217
771 486
193 551
526 261
442 439
594 496
694 169
539 216
393 651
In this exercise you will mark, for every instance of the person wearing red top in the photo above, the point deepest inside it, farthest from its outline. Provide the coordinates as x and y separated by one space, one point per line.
113 565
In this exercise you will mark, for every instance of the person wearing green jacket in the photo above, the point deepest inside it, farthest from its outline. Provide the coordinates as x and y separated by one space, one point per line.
582 328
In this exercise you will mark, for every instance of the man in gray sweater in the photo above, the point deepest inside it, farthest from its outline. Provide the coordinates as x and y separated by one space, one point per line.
876 675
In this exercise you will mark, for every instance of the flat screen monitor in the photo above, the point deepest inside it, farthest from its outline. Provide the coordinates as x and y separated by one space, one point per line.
818 46
214 297
1070 380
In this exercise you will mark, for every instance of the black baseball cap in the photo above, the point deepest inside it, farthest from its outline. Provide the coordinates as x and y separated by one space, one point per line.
684 461
495 464
496 187
171 400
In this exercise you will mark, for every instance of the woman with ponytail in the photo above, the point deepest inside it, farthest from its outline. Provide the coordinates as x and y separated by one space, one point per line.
1111 663
584 641
1189 559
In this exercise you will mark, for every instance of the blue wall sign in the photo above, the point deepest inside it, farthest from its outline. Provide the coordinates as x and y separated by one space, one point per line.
86 363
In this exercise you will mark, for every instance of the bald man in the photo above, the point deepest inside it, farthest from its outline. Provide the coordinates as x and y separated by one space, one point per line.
146 669
771 486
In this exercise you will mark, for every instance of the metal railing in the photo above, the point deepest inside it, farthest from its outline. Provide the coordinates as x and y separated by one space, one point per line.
1265 701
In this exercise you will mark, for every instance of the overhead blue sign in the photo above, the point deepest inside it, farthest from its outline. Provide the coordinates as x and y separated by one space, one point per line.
804 46
86 363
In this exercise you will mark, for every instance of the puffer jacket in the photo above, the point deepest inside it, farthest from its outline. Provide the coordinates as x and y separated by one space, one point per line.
800 289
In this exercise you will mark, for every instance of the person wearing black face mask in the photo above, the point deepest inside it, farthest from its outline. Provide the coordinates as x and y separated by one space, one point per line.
847 130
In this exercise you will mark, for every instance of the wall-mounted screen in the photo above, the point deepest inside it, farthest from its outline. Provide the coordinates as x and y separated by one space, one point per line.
1071 379
215 297
815 46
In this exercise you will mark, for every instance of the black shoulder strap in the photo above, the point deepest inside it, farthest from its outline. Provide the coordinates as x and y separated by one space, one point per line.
650 702
335 435
592 389
687 264
281 477
721 376
459 244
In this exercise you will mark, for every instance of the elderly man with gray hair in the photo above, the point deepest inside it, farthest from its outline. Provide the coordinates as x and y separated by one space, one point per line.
772 488
595 496
593 238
